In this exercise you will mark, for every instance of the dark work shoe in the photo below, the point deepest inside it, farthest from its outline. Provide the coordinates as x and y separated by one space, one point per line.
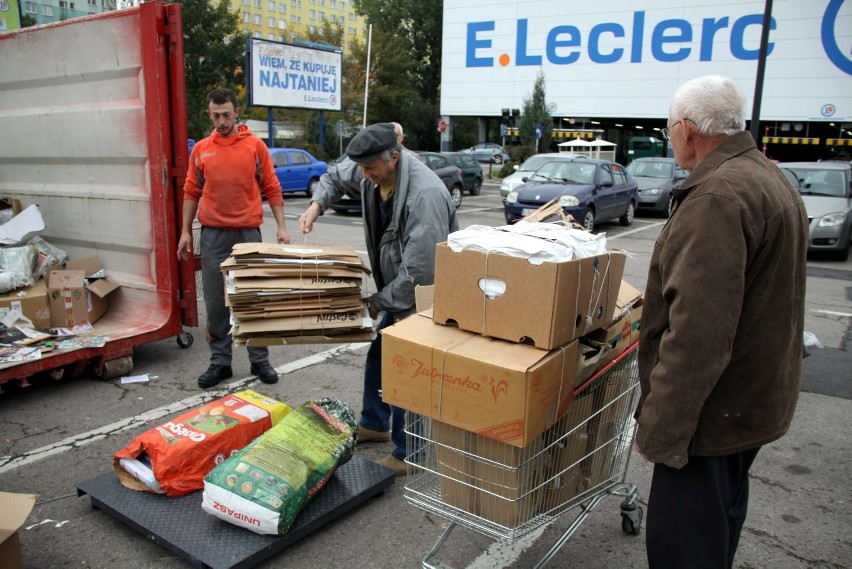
264 372
214 374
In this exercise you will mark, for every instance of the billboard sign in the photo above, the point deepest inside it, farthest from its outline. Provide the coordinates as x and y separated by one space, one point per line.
615 59
9 17
293 76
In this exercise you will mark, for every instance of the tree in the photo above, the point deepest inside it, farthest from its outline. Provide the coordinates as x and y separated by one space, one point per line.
214 56
416 27
535 113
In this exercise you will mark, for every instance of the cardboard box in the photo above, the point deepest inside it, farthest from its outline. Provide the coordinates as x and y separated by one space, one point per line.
565 472
31 301
77 294
623 331
493 480
547 305
14 509
505 391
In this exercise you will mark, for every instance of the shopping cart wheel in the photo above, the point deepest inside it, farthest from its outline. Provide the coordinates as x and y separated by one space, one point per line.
184 340
631 518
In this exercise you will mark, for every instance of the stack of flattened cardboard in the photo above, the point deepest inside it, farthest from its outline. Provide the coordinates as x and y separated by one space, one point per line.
288 294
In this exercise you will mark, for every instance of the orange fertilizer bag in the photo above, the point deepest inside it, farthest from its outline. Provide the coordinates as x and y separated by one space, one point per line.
174 457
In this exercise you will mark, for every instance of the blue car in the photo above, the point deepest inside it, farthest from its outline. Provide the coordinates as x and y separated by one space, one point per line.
297 170
589 190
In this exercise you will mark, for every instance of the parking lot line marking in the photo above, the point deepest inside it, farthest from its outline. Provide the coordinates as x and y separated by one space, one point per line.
637 230
501 555
832 313
463 209
9 463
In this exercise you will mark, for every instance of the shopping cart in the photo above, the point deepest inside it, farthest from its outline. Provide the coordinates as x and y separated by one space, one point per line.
506 492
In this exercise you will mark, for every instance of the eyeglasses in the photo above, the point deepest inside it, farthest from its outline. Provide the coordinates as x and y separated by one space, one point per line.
666 132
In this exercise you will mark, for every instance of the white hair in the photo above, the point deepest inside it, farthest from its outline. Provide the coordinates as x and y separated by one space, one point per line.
714 104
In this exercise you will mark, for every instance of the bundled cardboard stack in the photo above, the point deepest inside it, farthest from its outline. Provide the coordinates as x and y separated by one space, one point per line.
285 294
496 364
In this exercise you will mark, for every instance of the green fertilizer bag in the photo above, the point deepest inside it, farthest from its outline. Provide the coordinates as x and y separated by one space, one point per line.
264 486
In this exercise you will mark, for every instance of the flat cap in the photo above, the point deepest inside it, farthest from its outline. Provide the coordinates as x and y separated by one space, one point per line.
369 144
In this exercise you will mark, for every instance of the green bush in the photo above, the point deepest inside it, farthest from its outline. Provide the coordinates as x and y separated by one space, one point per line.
507 169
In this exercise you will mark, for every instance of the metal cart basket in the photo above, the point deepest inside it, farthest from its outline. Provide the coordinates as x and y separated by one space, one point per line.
506 492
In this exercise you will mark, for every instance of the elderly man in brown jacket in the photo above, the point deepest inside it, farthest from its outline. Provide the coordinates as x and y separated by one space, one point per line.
721 341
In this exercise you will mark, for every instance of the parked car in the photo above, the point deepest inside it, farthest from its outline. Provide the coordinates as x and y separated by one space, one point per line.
450 174
826 189
297 170
488 152
528 168
471 171
657 177
589 190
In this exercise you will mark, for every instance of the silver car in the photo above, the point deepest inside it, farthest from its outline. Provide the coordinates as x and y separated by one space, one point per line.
529 167
657 177
826 189
488 152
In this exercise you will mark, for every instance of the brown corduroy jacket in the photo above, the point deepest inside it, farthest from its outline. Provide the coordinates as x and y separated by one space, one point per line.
720 357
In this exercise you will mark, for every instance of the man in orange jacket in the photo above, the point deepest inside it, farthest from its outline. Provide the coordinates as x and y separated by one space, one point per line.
227 172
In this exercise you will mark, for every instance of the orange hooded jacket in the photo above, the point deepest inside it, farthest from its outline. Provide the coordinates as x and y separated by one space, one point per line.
225 175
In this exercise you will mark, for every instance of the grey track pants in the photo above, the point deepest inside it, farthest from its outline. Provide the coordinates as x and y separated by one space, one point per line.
216 245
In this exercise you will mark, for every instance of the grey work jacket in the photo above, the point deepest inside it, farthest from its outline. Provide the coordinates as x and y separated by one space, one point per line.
402 252
720 358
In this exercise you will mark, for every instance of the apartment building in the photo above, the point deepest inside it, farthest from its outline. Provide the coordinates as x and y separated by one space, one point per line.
46 11
287 20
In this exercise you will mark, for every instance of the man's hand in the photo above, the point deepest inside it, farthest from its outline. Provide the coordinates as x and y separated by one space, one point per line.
371 308
283 236
184 249
307 219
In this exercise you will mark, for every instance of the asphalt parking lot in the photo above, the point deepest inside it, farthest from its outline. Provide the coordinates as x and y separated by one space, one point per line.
55 434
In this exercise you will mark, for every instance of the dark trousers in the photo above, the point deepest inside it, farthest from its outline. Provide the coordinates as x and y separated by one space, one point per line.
375 413
216 245
696 514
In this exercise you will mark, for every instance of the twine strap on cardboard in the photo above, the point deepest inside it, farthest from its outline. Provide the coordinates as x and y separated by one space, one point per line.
444 352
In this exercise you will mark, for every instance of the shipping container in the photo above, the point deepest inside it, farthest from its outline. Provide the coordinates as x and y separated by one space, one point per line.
94 120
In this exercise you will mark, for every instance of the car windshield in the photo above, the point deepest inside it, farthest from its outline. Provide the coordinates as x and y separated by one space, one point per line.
565 172
650 169
815 182
533 163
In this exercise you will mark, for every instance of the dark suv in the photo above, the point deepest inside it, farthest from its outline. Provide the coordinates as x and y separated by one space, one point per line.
470 169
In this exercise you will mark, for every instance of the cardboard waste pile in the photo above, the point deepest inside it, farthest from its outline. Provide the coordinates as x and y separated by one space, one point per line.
521 318
284 294
47 302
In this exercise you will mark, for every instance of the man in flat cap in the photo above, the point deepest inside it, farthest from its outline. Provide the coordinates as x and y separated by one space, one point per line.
407 211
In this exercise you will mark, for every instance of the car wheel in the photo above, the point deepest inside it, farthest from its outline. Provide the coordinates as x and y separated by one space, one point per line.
843 255
589 220
627 218
477 187
497 159
312 184
456 195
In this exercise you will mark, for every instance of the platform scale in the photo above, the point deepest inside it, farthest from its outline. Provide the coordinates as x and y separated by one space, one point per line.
180 525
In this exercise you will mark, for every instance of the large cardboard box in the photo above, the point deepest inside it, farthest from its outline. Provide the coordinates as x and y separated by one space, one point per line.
493 480
565 473
506 297
31 301
502 390
14 509
77 294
